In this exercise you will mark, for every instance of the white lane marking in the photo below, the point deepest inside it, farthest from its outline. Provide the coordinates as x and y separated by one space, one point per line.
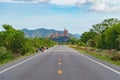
18 64
101 64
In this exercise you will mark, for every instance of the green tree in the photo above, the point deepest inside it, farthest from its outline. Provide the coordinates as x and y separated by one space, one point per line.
73 41
87 36
111 36
13 39
118 39
109 22
28 47
2 38
91 43
18 40
101 27
5 55
13 43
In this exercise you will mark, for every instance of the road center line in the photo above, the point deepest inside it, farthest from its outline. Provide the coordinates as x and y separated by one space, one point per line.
18 64
59 72
59 63
100 64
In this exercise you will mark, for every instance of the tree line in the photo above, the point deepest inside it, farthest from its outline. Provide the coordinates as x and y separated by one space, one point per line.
102 39
13 43
104 35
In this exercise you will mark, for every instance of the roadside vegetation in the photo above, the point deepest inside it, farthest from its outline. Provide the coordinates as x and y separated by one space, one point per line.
106 55
103 39
14 44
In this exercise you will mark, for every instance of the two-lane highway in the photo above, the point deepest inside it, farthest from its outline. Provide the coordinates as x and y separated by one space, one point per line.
60 63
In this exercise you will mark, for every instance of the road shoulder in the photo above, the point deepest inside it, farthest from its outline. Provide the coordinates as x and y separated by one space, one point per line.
115 67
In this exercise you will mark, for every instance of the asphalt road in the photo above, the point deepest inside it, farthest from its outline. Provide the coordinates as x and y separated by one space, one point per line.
59 63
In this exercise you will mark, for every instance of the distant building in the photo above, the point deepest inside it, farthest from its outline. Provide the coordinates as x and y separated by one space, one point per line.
64 37
64 34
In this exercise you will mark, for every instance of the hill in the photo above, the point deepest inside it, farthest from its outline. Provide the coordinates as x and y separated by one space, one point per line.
42 32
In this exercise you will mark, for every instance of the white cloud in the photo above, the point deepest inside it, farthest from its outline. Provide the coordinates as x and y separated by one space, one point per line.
112 2
63 2
25 1
33 0
96 5
6 1
103 7
82 2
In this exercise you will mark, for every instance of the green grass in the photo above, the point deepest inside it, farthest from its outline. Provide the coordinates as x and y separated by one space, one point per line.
15 58
6 61
104 58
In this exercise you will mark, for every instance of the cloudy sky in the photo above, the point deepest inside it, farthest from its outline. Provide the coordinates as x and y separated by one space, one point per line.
77 16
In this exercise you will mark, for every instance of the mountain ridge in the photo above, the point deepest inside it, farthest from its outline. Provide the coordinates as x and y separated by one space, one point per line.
43 32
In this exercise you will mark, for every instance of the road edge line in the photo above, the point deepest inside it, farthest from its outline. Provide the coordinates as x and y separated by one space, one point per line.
4 70
100 63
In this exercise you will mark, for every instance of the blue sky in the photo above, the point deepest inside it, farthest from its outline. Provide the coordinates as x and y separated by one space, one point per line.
77 16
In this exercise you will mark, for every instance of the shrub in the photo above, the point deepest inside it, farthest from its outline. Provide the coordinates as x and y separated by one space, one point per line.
115 57
5 55
81 44
99 50
28 48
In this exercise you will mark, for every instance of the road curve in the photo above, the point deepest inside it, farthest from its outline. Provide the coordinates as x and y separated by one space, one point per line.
60 63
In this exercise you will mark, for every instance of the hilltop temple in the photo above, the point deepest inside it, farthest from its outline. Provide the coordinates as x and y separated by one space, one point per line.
64 34
63 37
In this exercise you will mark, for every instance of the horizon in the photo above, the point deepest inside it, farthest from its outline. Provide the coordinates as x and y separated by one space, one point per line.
48 29
77 16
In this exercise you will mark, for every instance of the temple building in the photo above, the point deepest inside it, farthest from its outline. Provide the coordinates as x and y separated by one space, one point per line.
65 33
63 37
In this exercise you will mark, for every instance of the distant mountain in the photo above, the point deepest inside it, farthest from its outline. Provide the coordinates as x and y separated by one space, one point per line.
77 36
42 32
